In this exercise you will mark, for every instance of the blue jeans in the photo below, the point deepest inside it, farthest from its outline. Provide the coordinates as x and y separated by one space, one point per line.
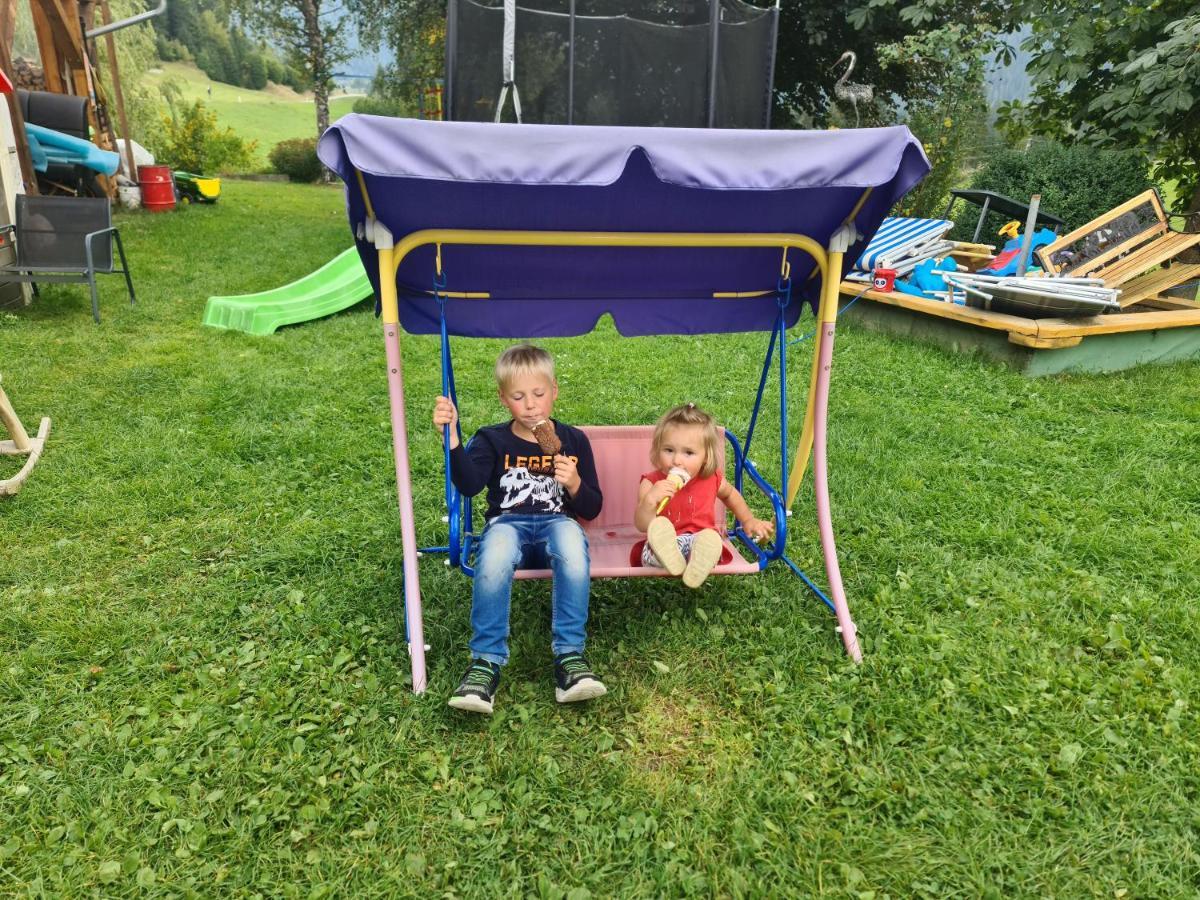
509 542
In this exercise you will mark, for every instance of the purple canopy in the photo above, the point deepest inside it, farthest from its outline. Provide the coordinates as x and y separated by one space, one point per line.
589 178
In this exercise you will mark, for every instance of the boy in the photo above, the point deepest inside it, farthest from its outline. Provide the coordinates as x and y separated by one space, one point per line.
533 502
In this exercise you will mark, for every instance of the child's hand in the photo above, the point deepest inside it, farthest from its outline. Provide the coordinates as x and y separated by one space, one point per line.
661 491
444 413
758 529
566 473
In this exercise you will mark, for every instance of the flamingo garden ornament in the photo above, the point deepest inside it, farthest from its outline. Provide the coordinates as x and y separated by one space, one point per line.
848 91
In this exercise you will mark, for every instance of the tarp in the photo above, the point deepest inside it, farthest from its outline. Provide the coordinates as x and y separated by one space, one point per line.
423 174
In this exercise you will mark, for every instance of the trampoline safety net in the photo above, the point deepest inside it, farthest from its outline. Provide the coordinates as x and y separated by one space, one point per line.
615 62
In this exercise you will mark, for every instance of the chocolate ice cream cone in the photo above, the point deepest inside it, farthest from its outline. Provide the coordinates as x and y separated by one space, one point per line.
543 433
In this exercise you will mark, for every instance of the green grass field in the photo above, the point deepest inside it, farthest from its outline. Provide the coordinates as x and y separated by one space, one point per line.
204 689
267 117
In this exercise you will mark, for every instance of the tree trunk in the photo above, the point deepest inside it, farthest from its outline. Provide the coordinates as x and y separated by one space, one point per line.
321 96
317 65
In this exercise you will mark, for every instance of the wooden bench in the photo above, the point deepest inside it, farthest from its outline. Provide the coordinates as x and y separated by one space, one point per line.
1130 247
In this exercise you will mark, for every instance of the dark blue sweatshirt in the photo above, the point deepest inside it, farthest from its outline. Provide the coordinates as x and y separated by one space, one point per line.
520 479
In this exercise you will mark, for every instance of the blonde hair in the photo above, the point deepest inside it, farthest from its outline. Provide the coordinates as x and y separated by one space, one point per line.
688 415
523 359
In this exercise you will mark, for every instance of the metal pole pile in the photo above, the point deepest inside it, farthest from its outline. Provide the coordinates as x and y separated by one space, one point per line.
1087 291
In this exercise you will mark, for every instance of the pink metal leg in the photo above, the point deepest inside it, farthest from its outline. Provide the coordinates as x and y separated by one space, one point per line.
821 483
408 530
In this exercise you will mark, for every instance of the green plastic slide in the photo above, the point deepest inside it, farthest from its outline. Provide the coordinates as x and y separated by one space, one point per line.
340 283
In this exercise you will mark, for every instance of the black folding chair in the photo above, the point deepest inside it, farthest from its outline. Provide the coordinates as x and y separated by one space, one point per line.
64 239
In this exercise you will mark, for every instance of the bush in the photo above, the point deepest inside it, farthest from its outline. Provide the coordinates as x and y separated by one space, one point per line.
1077 183
190 139
373 105
297 159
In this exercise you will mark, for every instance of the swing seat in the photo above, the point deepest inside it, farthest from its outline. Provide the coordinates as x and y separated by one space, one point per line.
622 454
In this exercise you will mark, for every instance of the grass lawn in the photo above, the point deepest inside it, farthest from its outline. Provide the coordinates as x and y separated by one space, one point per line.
264 116
204 689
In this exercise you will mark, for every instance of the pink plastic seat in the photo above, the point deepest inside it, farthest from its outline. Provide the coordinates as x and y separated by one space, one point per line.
622 454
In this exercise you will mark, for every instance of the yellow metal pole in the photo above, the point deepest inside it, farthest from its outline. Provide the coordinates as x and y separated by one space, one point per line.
826 312
609 239
804 449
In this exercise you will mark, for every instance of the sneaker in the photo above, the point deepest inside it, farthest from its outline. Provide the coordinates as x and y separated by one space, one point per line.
477 688
575 679
664 542
706 553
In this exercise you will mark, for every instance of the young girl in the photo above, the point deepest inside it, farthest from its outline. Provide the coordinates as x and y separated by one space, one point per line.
683 539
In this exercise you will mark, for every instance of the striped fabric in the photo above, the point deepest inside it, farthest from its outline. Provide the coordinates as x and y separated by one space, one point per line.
905 266
899 238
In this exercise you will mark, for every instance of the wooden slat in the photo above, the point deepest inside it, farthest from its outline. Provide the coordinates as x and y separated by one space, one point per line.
1164 249
984 318
1150 196
1153 283
18 125
1045 254
1037 329
115 70
1043 343
8 25
1118 253
43 27
1118 322
1170 303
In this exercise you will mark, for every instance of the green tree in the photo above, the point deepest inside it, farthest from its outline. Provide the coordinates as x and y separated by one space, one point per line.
944 107
1121 75
136 52
308 30
415 32
240 48
1108 73
256 70
180 22
276 71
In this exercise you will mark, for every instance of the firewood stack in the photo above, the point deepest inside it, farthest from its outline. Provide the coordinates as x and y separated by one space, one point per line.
28 75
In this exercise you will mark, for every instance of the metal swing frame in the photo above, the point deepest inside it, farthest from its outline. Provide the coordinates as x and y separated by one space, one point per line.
813 436
460 521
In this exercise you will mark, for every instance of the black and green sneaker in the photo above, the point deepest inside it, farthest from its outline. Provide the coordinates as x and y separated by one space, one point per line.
575 679
477 688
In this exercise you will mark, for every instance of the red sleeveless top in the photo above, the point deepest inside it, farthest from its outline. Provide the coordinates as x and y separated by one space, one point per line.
691 509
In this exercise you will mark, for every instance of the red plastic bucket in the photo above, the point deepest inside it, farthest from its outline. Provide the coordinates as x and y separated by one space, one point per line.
158 188
885 280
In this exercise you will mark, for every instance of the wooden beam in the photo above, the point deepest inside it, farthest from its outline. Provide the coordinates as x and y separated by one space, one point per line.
1154 283
984 318
1041 332
8 24
110 44
18 126
1165 249
1117 323
1170 303
1043 343
52 67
